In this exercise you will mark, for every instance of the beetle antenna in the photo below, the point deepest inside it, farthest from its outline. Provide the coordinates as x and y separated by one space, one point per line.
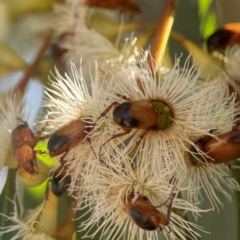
169 208
104 113
171 198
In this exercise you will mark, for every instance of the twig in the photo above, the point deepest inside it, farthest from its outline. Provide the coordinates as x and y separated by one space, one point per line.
20 87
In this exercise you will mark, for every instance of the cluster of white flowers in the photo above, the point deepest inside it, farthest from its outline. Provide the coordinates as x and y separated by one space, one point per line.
144 140
125 156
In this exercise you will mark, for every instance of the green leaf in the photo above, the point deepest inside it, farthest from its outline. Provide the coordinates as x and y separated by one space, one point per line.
39 191
208 22
42 146
206 63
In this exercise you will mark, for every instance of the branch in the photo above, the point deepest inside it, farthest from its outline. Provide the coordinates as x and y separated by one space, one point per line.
21 85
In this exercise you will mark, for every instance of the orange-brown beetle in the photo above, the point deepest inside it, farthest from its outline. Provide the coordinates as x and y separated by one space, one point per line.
145 215
224 149
228 35
23 142
67 137
142 114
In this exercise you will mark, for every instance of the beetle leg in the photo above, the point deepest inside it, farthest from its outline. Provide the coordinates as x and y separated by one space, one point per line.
160 228
39 152
124 97
89 141
141 137
134 147
169 206
231 167
35 159
171 198
45 137
41 131
113 137
105 112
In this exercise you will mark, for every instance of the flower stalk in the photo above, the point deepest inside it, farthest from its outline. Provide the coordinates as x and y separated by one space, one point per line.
163 31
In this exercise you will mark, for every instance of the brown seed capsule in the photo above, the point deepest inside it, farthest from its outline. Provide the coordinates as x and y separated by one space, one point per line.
227 35
23 142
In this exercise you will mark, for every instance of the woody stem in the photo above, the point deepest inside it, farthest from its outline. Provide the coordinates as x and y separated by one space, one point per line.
20 87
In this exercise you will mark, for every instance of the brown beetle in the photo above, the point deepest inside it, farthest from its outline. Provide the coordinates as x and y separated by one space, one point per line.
60 181
224 149
23 142
67 137
142 114
145 215
227 35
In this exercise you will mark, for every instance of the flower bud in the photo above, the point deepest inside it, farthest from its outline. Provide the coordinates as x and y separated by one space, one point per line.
40 223
47 220
36 179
